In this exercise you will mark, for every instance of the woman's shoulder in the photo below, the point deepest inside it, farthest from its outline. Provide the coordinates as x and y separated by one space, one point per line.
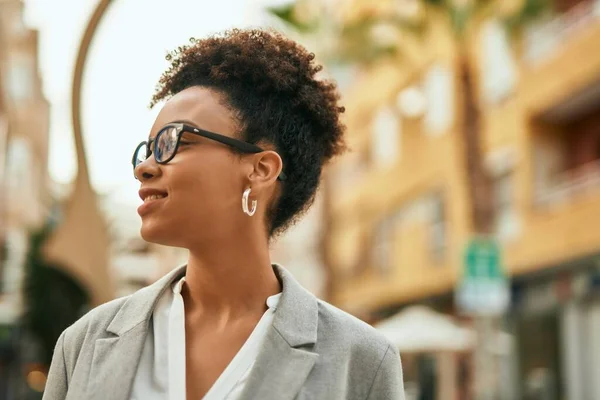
336 330
339 326
120 314
95 321
370 360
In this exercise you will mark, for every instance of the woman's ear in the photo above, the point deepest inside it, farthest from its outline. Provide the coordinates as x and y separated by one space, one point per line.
267 167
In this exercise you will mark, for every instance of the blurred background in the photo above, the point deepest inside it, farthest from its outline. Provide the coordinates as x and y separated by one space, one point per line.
460 223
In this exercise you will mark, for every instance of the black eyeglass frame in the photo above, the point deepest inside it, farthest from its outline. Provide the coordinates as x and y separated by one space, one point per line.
181 128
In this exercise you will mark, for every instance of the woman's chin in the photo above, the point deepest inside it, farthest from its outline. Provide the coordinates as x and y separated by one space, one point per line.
153 233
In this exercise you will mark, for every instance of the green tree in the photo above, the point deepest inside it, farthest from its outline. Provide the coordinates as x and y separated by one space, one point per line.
53 299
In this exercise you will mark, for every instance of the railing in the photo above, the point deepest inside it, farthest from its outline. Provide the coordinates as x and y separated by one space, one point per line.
571 183
542 38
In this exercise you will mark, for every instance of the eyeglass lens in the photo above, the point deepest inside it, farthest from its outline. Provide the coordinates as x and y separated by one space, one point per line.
163 147
166 142
141 154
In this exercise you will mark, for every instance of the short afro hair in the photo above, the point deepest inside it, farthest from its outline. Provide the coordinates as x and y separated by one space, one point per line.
271 84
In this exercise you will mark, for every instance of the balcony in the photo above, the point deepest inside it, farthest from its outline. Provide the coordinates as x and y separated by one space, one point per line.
567 148
569 184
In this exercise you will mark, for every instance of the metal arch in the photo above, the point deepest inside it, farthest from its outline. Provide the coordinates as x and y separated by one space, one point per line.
88 36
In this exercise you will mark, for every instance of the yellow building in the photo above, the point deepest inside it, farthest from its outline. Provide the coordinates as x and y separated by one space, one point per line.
399 210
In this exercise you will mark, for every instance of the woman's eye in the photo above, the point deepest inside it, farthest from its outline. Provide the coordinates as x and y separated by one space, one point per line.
184 143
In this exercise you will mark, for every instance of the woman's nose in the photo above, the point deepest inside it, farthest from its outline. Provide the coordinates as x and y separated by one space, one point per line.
147 170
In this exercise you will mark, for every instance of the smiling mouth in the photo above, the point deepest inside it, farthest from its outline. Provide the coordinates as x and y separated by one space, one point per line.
154 197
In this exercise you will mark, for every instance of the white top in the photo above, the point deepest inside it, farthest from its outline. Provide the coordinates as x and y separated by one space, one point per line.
161 371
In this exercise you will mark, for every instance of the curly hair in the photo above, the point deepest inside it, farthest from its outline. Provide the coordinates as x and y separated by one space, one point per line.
270 83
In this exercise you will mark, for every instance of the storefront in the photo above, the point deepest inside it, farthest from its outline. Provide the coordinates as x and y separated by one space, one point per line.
553 321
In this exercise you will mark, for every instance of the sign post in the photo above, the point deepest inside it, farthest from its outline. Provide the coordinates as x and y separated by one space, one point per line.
483 289
483 293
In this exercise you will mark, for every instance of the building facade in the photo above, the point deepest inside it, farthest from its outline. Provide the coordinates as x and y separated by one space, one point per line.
400 207
24 182
23 139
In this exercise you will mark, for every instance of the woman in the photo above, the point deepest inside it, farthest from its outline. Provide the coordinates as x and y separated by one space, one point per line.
234 157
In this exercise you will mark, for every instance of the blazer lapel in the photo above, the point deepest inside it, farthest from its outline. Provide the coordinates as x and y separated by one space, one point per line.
287 357
114 364
280 372
116 357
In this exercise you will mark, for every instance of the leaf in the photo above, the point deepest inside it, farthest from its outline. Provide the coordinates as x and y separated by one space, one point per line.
357 44
530 11
287 14
353 43
460 17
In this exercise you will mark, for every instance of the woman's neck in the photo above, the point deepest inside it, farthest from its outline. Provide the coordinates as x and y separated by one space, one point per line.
228 280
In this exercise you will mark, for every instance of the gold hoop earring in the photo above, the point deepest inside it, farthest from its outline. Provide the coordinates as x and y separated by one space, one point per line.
245 200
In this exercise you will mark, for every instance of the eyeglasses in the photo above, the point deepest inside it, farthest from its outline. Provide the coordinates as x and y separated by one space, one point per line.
166 142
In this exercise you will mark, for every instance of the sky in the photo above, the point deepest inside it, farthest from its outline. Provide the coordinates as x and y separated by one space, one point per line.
124 63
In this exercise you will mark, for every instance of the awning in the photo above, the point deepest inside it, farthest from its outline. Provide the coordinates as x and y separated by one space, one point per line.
420 329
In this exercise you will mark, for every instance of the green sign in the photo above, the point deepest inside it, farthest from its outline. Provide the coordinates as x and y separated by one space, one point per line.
482 260
483 288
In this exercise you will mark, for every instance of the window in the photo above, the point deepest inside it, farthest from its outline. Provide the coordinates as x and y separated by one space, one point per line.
507 222
567 157
548 162
386 131
439 94
498 69
19 79
382 245
438 228
18 164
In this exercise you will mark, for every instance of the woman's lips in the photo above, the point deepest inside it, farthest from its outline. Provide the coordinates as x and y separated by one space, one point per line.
150 204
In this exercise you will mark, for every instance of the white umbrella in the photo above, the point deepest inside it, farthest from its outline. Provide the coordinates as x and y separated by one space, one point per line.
420 329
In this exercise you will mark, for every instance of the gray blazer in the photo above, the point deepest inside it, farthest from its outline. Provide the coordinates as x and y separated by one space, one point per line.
312 351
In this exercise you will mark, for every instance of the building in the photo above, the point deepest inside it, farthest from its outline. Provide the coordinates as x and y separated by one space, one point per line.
399 208
24 183
23 136
23 145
